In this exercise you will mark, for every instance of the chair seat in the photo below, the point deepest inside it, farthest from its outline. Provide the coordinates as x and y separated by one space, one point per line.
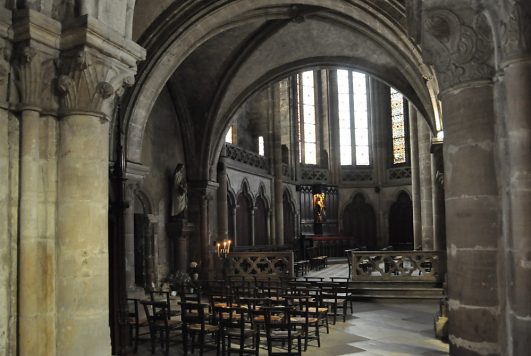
236 332
333 301
302 320
208 328
171 323
261 318
284 333
320 310
226 316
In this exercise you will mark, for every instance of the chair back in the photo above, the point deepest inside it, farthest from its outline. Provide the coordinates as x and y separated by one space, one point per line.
193 313
157 313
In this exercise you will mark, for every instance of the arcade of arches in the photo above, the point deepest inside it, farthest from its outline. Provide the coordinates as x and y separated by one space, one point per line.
409 118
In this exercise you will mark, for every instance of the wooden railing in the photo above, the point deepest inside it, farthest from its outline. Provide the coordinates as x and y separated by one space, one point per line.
398 265
261 264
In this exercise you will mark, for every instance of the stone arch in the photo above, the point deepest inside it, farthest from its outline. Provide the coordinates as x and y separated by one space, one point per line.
145 201
143 240
359 221
175 31
231 209
290 217
261 220
244 205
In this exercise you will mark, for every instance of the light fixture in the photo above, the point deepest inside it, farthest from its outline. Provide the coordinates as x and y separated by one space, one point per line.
223 248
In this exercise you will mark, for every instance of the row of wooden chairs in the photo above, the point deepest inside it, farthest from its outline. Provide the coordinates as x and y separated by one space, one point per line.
241 311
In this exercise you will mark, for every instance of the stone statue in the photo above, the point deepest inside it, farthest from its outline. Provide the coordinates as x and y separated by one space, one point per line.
179 200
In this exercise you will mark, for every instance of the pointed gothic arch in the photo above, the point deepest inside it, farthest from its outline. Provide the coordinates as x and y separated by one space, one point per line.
359 221
244 218
290 218
401 222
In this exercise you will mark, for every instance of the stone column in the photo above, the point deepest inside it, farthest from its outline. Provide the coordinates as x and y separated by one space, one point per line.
223 215
381 113
8 225
233 216
415 176
87 85
518 194
295 129
202 193
252 210
515 161
437 190
36 305
459 34
129 222
426 208
179 231
278 221
334 162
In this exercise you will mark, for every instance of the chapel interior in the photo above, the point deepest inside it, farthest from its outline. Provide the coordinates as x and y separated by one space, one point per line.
234 147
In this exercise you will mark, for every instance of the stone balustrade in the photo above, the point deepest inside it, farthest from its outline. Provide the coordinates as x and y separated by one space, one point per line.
249 158
261 264
397 265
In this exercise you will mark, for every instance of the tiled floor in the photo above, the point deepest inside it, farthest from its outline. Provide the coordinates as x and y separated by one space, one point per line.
383 329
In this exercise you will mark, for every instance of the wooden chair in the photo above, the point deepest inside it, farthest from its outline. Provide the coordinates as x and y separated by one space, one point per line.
160 323
335 297
281 330
134 322
164 296
232 321
195 323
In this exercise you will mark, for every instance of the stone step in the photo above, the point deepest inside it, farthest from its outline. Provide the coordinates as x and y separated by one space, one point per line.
394 284
395 297
377 292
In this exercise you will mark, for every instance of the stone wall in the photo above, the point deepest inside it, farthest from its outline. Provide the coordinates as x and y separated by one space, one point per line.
162 151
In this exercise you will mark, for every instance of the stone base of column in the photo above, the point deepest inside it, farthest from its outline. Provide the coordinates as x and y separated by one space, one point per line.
179 230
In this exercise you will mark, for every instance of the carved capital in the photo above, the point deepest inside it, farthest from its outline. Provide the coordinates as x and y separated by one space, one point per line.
34 73
458 44
88 82
515 29
5 69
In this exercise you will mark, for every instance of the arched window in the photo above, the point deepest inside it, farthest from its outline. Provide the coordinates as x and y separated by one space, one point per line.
306 122
353 118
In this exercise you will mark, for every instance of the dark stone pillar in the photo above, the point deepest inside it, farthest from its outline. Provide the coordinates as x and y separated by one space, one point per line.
426 206
415 178
456 42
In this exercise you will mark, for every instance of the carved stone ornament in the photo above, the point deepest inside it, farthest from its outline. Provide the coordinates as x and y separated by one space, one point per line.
34 72
5 67
87 83
460 49
515 29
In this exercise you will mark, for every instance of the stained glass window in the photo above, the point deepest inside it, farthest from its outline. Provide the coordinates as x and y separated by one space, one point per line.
306 118
398 127
353 118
